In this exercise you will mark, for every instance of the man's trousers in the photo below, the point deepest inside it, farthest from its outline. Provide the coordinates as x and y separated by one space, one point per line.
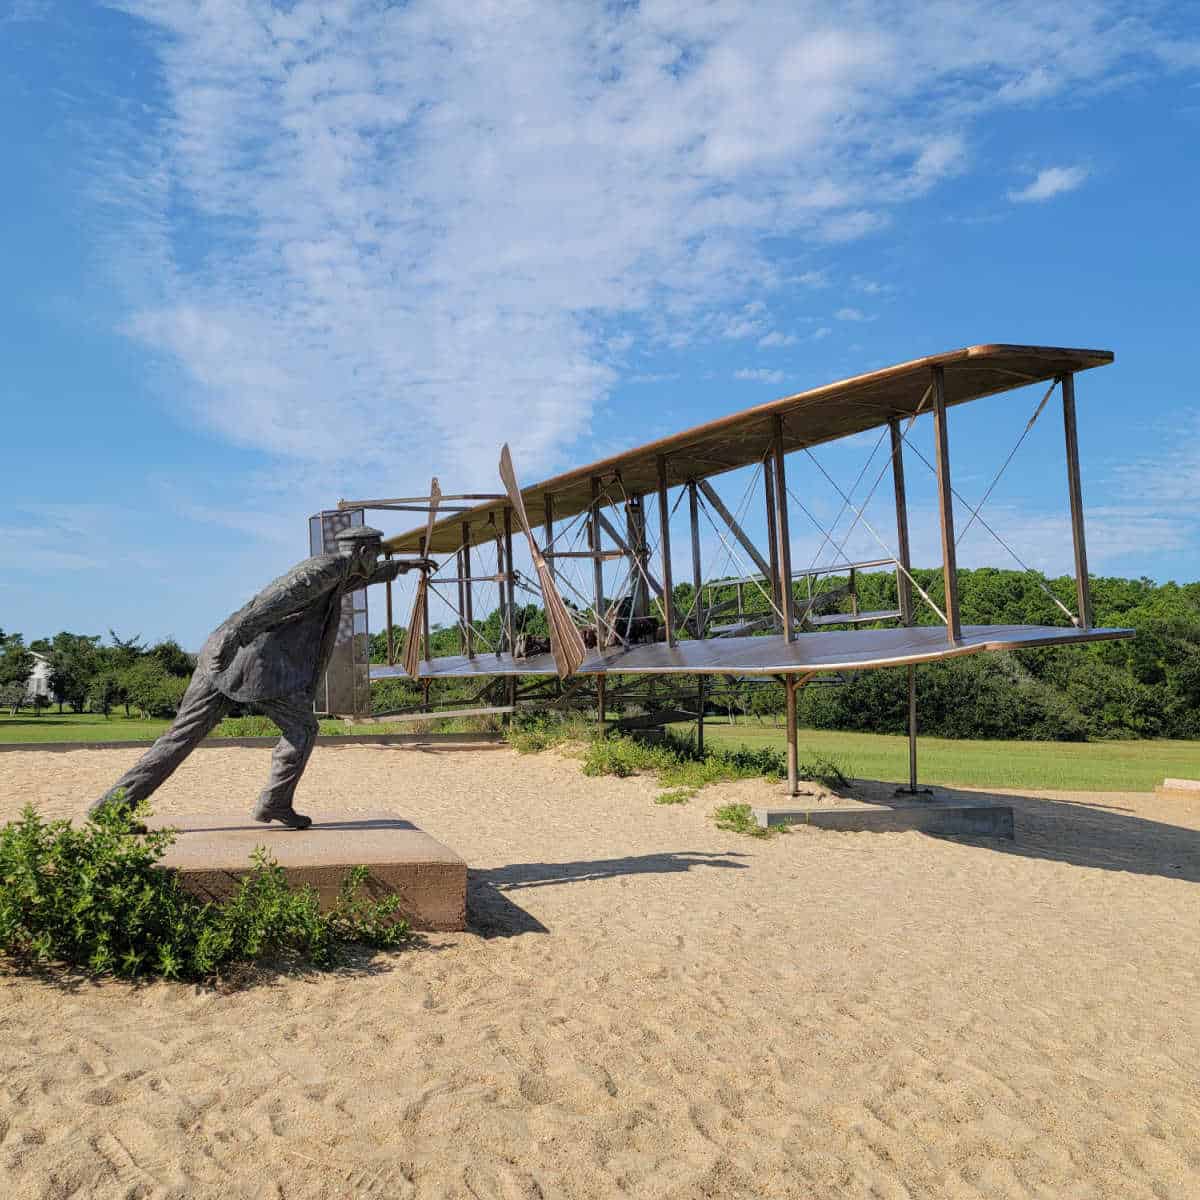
202 708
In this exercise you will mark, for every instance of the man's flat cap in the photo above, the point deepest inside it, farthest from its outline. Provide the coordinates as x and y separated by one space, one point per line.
359 535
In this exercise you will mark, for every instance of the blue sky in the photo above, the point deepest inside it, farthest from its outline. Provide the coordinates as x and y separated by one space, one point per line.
262 256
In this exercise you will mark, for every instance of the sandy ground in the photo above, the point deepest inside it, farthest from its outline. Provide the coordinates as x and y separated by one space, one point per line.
647 1006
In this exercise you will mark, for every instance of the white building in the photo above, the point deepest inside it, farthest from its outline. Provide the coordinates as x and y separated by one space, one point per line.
39 681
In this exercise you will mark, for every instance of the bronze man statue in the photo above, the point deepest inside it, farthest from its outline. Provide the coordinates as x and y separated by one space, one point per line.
269 654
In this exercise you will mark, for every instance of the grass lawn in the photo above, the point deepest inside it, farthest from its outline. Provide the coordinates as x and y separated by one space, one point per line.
1117 766
92 727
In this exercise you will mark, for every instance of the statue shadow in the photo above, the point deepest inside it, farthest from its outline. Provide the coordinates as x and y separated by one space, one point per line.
492 913
1087 833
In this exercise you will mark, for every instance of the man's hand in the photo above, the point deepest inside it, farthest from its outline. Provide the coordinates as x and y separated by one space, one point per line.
404 565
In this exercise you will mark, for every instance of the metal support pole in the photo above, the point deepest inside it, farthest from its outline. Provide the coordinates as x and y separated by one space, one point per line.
548 508
600 704
772 539
468 599
462 603
912 727
946 506
1083 589
697 574
903 586
781 532
793 750
664 539
700 714
635 547
594 545
391 641
500 593
510 580
428 654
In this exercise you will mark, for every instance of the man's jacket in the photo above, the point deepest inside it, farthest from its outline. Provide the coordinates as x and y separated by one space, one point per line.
287 631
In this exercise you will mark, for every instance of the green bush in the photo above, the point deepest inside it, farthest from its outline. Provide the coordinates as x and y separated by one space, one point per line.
739 818
677 764
95 898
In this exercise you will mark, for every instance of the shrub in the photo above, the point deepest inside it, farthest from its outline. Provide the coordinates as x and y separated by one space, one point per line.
677 764
739 818
95 898
532 732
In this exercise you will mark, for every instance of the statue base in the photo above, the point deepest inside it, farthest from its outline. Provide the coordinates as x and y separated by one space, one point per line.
211 855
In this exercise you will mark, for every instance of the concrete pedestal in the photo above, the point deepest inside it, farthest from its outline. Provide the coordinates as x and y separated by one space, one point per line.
1179 789
929 816
211 855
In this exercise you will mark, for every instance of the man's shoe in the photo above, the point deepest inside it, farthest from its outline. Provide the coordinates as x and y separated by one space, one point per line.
285 816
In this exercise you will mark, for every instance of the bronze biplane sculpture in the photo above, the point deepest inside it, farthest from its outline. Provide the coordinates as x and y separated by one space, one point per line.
811 636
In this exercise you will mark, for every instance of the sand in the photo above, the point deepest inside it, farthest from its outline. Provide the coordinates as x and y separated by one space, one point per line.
647 1006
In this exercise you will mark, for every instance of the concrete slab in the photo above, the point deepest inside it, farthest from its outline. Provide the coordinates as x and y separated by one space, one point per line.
1179 789
211 855
927 816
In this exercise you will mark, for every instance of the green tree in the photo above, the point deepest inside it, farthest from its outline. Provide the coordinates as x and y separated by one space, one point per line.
16 663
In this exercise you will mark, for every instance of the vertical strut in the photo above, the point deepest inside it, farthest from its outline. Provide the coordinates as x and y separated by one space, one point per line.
391 641
903 586
772 540
664 544
697 573
548 507
782 534
462 602
1083 589
946 506
635 543
594 544
424 613
468 599
509 580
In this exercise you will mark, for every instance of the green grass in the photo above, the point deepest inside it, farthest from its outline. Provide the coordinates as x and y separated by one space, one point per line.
739 818
92 727
1117 766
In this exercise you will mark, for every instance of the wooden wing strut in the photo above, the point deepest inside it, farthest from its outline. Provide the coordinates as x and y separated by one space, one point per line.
566 643
416 626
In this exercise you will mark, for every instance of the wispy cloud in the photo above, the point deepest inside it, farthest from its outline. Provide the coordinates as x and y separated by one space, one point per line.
1048 183
759 375
373 239
776 339
851 314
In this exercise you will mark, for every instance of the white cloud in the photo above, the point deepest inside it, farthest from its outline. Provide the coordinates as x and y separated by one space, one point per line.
851 314
823 332
23 11
371 240
847 226
1050 182
775 338
759 375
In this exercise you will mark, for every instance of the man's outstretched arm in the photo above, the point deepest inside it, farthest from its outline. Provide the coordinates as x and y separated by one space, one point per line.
388 570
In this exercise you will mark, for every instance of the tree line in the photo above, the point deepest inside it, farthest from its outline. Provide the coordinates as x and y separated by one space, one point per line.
87 675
